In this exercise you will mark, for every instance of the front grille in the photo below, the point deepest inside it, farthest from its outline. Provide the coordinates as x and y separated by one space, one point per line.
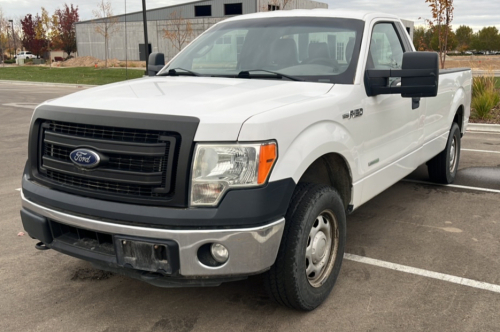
106 186
116 161
134 162
105 133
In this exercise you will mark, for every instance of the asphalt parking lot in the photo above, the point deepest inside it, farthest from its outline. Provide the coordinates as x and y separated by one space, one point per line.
420 257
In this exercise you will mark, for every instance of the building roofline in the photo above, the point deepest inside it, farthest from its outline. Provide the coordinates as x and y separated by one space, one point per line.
317 12
148 10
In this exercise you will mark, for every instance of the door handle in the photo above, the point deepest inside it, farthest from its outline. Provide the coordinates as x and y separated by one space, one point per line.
415 103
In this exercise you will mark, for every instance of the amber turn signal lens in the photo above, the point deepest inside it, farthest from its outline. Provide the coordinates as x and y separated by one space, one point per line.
266 161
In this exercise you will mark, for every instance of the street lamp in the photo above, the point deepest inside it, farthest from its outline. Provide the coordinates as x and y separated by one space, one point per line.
13 36
146 43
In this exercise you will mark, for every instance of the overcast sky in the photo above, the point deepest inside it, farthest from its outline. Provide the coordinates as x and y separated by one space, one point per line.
475 13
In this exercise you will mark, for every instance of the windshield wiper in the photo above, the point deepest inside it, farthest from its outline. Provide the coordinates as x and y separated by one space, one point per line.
173 72
246 74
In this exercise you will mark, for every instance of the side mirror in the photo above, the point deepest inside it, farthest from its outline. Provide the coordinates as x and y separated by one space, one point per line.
156 63
419 77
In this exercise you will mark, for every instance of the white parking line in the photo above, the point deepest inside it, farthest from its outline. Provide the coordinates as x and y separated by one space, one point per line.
453 186
30 106
483 151
424 273
18 189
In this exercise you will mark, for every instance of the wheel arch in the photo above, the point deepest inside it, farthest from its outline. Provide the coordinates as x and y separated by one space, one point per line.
324 153
457 110
459 118
333 170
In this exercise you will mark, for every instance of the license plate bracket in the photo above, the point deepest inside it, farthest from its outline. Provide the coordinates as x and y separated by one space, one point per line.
147 255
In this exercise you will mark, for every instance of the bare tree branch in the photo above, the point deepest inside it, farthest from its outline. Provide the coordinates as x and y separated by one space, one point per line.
278 5
105 24
179 31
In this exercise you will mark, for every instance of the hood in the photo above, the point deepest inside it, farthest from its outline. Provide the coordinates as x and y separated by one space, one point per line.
221 104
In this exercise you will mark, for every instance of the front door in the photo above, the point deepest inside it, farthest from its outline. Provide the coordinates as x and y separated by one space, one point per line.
390 127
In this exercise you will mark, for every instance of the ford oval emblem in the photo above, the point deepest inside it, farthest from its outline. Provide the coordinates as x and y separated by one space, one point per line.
84 158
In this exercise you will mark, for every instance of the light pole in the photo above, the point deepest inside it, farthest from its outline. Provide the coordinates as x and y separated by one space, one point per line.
13 36
146 43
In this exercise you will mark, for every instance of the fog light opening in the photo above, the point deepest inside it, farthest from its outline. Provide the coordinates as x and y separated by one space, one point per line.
213 254
219 253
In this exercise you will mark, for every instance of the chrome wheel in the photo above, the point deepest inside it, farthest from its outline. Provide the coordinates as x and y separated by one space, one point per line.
453 155
322 248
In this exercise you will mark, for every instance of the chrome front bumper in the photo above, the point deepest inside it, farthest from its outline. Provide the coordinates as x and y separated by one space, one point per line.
251 250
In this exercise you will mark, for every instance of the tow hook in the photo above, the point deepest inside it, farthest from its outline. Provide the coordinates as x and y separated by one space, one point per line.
41 246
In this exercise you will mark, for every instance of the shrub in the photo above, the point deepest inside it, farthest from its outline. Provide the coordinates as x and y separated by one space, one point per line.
483 83
484 102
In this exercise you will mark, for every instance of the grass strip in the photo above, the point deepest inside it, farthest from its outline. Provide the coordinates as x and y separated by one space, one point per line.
80 75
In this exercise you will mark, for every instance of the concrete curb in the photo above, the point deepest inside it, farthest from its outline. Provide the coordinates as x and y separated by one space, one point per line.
478 127
67 85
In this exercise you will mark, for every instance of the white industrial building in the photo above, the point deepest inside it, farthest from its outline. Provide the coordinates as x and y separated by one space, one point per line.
127 38
129 31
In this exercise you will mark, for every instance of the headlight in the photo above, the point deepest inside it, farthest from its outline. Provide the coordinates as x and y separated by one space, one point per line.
217 168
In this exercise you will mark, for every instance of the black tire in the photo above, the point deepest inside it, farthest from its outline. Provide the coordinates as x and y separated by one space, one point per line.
443 167
287 282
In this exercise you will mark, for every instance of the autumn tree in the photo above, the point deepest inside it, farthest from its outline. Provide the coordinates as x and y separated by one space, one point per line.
4 36
179 31
420 40
30 41
64 21
490 38
451 41
487 39
43 30
442 16
464 36
105 24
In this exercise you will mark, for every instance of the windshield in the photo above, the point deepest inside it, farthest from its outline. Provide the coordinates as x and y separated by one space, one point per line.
307 48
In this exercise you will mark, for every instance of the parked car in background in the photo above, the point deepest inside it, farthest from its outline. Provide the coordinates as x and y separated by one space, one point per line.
25 55
468 53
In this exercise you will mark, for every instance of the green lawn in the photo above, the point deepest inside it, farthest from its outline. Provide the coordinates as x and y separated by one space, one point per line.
68 75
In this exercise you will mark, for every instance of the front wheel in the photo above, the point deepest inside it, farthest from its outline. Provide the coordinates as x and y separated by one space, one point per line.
443 167
311 250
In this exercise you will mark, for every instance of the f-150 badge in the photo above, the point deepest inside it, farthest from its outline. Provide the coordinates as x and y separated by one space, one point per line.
353 114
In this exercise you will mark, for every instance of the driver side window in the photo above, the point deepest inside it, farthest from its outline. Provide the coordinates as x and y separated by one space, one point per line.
386 50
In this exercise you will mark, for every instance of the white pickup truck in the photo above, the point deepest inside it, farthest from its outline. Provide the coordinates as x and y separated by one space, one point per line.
244 154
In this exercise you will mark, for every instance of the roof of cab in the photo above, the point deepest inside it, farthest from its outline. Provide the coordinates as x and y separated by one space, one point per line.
359 15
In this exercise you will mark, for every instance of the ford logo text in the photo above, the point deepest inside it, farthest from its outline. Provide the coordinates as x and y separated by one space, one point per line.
84 158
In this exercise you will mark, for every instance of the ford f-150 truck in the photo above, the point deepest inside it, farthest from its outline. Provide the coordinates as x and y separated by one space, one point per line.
244 153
